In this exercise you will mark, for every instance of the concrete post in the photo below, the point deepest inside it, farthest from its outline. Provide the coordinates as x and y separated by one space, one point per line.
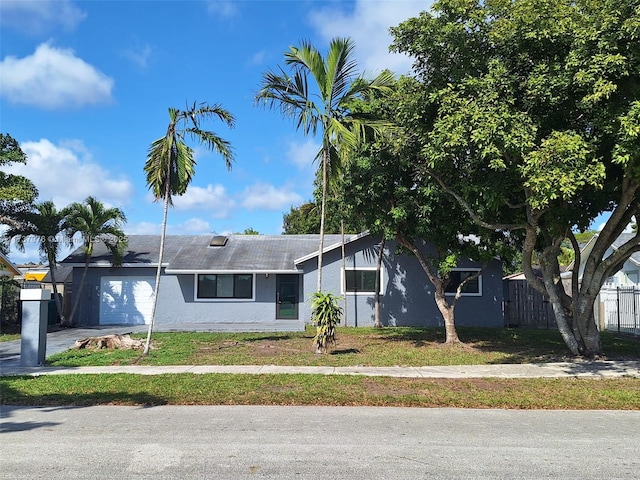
33 345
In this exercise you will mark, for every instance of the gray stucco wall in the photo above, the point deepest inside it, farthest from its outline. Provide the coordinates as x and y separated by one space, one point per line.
176 304
88 312
407 298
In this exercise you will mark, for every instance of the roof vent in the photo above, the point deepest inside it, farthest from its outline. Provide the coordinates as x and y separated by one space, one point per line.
218 241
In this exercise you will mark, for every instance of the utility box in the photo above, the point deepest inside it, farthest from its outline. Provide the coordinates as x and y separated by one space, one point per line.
35 312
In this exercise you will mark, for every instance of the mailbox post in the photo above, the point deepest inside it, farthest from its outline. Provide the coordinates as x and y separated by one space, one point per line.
33 345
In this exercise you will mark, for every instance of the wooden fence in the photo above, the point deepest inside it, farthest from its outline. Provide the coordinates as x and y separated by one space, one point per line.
525 306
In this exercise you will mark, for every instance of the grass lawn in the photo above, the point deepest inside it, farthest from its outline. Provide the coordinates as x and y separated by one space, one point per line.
387 347
355 347
7 337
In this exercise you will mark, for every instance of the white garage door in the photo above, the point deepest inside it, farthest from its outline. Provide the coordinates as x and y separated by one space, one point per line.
126 300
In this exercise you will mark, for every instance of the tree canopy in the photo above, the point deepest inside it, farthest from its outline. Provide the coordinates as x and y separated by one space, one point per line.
528 114
317 95
16 192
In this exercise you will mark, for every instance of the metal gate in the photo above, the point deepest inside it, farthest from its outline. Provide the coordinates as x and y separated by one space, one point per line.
621 308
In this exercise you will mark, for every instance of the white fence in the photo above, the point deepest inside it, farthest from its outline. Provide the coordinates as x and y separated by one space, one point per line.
621 309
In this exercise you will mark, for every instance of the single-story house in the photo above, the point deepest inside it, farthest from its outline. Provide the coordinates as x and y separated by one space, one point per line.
264 283
7 268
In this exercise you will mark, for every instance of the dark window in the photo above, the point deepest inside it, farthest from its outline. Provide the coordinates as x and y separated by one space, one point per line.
472 287
360 280
225 286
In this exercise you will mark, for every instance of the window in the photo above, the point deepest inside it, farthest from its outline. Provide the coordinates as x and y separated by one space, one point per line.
471 288
360 281
225 286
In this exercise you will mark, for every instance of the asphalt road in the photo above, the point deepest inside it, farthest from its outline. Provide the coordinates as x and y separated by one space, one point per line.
239 442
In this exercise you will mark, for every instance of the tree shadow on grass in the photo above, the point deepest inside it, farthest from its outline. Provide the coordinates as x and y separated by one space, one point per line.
345 351
12 396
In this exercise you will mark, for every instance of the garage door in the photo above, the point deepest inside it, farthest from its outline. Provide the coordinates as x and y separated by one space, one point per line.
126 300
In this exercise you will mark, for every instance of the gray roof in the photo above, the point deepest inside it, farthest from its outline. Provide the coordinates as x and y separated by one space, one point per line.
621 240
193 253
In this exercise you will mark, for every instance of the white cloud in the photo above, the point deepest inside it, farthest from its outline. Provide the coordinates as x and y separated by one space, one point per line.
142 228
36 17
262 196
368 25
66 173
258 58
193 226
303 154
212 198
53 78
139 55
222 8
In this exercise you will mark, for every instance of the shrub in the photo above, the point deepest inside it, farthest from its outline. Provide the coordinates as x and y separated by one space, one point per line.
325 315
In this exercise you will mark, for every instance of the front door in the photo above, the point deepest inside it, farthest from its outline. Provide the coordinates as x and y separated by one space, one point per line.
287 290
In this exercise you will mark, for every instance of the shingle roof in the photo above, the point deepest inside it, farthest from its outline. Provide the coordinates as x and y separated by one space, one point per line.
193 253
621 240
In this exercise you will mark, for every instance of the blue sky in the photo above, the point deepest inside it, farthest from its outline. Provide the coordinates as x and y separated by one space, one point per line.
85 87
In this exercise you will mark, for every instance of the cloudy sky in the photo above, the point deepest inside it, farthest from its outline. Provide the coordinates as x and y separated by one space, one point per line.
85 87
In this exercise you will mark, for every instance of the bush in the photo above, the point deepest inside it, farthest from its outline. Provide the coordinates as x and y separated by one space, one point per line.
325 315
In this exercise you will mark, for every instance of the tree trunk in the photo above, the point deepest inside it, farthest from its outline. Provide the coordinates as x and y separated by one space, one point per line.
344 269
443 305
76 300
377 321
165 213
325 160
447 312
56 297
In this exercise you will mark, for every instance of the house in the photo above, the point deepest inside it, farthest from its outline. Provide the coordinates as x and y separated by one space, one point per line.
8 269
263 283
618 305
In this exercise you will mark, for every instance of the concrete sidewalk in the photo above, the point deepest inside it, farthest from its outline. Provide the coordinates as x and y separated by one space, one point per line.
599 369
64 339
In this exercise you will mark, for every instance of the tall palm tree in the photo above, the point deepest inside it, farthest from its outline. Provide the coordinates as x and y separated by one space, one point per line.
324 106
44 223
95 223
170 166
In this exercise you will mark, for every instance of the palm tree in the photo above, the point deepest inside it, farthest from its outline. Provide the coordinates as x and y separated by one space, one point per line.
326 107
44 223
95 223
170 166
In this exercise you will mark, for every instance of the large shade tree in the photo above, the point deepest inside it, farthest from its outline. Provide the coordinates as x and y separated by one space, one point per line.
528 112
91 222
383 191
46 225
170 166
317 94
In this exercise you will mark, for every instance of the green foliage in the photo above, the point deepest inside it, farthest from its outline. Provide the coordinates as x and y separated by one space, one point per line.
170 165
248 231
325 315
16 192
94 222
527 112
318 94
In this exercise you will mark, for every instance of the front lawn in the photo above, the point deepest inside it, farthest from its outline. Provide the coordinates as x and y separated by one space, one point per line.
355 347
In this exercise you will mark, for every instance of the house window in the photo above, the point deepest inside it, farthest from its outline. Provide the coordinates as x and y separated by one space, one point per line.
360 281
471 288
225 285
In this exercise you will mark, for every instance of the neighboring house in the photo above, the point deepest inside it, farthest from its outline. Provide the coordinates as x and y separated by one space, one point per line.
628 275
618 306
264 283
8 269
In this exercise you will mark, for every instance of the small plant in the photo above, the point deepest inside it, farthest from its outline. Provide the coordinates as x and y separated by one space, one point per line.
325 315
